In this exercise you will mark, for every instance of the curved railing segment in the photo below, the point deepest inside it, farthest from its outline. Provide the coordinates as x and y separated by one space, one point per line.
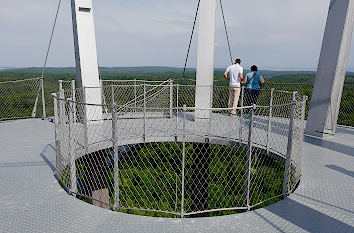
160 157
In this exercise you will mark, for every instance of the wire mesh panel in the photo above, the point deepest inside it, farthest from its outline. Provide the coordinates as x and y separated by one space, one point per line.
346 111
21 99
178 165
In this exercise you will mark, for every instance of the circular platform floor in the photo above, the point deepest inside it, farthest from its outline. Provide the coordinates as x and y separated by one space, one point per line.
31 200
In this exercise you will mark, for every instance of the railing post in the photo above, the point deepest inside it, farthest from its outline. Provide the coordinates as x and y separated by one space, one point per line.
62 102
249 159
304 100
86 139
287 173
113 94
294 95
171 98
73 96
44 115
103 97
144 112
135 94
241 118
60 85
72 156
115 156
270 120
183 158
56 125
177 108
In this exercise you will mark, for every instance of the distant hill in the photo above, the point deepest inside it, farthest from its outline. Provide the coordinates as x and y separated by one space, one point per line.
151 73
71 70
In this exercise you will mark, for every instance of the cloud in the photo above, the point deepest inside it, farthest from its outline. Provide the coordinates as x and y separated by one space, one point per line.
156 32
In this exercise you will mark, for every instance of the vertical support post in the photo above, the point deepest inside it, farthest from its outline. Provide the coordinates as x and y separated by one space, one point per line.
115 156
241 118
177 108
43 99
294 96
135 94
60 85
86 139
269 134
171 98
73 96
144 112
103 97
332 67
176 192
210 116
205 58
87 73
56 125
304 100
249 160
183 158
62 101
73 180
113 94
286 183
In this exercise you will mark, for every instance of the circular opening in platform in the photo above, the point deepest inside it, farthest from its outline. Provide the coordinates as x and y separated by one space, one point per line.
153 180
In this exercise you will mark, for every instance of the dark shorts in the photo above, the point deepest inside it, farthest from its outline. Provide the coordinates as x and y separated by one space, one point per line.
253 91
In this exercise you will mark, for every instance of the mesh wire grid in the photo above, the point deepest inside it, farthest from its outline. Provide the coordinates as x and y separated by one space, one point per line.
131 159
21 99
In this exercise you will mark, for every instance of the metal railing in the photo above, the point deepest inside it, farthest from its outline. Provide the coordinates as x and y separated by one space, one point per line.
346 112
22 99
124 157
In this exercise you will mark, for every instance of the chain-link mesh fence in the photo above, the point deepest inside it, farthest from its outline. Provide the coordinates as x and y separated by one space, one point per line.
131 158
21 99
127 89
18 98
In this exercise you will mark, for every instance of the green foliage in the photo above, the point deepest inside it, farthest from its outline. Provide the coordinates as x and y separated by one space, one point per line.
150 178
19 102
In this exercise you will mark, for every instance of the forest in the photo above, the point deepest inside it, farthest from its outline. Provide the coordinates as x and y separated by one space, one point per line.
17 101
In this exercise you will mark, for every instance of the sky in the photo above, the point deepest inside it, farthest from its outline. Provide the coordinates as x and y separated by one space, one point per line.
271 34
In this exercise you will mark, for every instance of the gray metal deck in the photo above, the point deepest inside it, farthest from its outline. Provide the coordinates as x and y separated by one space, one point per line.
31 200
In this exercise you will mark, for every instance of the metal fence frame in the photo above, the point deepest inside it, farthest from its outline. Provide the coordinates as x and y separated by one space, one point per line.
70 144
33 88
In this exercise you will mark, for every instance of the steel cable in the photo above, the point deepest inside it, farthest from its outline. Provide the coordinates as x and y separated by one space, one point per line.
51 38
226 32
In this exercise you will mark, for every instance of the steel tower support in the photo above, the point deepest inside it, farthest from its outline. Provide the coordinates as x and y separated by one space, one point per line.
205 59
86 56
327 92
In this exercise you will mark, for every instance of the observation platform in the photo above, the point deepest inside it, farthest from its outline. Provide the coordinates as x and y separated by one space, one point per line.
31 199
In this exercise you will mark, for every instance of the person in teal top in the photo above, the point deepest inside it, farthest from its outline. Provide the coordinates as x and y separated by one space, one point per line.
253 80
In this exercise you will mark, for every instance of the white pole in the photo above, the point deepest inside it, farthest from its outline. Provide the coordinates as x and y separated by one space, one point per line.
332 67
86 56
205 57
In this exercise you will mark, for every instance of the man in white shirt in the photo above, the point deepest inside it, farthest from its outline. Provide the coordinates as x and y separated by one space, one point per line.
234 73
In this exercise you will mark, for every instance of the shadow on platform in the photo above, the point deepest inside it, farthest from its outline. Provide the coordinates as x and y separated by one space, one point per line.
341 170
45 155
344 149
305 217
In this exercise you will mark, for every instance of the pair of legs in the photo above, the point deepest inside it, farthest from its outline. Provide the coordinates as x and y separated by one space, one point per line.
252 96
233 98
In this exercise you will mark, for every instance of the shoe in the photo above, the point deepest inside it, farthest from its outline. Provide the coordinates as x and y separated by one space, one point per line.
233 115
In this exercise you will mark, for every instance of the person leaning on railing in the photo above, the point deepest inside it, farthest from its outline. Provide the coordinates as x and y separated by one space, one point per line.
253 80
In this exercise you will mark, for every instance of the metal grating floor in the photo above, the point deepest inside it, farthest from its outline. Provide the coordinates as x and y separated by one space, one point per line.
31 200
